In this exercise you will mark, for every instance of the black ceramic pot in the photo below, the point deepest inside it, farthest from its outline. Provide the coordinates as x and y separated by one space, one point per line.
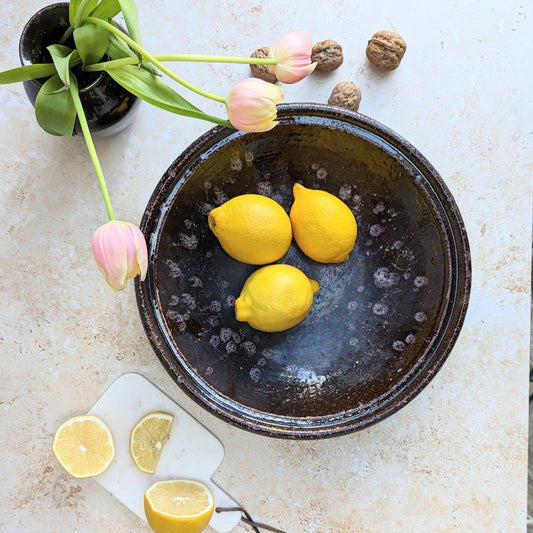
109 107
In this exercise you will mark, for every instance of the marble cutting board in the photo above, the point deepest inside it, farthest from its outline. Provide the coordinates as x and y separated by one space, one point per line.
192 452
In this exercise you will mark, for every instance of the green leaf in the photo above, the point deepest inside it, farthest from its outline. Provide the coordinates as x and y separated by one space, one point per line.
106 9
91 42
156 92
129 10
79 9
152 89
117 48
61 56
54 108
72 10
28 72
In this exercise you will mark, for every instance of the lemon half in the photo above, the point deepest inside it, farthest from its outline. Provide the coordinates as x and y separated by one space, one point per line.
178 505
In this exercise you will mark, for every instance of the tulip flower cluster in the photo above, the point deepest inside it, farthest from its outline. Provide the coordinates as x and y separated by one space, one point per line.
119 247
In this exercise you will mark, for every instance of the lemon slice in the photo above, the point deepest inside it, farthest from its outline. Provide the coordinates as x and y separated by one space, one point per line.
147 439
84 446
178 505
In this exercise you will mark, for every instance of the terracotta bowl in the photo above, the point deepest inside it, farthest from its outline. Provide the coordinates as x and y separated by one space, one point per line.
383 322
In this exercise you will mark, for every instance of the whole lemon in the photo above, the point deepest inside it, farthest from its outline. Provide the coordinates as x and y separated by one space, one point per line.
275 298
323 225
252 228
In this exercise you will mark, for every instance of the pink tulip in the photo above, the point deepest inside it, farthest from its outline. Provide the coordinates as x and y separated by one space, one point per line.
251 105
293 53
120 252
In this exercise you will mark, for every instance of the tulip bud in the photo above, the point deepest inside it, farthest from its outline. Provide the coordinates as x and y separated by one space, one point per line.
120 252
251 105
293 55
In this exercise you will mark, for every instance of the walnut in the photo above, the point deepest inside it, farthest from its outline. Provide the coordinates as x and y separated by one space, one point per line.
385 50
327 54
262 72
346 94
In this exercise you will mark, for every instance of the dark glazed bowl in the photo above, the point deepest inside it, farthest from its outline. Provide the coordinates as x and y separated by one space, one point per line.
383 322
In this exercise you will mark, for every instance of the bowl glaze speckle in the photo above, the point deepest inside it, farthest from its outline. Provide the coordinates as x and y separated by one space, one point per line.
384 320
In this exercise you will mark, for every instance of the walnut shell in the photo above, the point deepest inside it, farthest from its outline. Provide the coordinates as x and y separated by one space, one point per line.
385 50
327 54
346 94
262 72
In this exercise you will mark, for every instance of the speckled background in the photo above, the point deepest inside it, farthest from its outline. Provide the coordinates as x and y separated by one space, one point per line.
454 459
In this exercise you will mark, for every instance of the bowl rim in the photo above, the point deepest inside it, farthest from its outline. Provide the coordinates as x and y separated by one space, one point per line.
330 426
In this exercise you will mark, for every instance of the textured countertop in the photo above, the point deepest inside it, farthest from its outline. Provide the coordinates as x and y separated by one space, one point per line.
455 458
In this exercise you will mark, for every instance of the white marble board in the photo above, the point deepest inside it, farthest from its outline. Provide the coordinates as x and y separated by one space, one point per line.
192 452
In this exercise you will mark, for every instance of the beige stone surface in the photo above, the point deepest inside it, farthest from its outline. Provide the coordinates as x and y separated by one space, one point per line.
455 458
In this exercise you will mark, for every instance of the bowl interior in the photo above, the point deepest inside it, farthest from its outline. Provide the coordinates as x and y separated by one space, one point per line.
383 321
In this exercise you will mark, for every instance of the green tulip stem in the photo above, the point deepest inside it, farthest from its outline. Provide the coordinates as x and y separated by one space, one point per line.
66 36
92 150
149 57
181 57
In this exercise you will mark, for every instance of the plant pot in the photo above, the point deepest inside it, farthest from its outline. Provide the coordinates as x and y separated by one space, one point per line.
109 107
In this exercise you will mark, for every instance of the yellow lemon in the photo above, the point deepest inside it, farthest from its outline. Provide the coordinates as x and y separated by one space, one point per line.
84 446
178 505
147 439
252 228
323 225
275 298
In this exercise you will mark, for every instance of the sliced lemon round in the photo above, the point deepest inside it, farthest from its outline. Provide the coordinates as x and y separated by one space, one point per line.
84 446
147 439
178 505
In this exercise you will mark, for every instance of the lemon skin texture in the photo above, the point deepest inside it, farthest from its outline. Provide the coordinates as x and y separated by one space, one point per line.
323 225
275 298
252 228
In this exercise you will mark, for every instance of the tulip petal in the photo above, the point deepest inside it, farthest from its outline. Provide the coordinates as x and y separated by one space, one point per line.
251 105
120 252
291 74
293 55
141 252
